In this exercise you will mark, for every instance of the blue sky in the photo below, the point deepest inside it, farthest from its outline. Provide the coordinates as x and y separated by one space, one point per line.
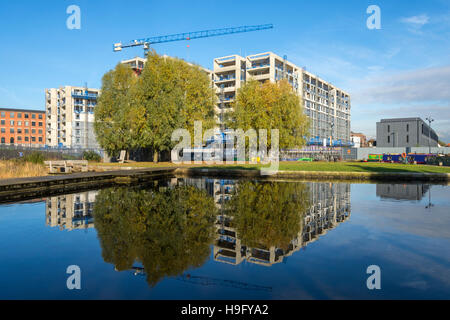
401 70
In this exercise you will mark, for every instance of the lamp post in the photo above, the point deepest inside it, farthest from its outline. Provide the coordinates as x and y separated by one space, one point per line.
430 120
430 205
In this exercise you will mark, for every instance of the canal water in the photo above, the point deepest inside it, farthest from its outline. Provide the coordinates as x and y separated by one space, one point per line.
204 238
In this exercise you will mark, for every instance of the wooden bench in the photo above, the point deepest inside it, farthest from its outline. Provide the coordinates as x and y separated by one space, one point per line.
67 166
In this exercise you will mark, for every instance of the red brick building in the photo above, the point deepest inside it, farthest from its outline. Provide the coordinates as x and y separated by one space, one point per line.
22 127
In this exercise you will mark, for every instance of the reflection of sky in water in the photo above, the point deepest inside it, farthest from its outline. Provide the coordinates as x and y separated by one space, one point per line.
411 244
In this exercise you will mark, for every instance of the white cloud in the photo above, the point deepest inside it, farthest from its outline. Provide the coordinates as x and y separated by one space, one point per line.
421 85
417 21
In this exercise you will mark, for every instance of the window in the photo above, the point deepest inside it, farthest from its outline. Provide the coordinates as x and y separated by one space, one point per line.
3 140
40 131
26 139
389 128
407 138
3 130
422 128
19 115
40 115
27 115
27 123
33 116
11 114
19 123
11 122
3 114
33 131
27 131
40 139
33 124
11 140
33 139
19 130
3 122
19 138
389 139
11 130
407 127
40 124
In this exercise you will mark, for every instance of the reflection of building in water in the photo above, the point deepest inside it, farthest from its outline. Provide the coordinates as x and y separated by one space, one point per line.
72 211
330 205
402 191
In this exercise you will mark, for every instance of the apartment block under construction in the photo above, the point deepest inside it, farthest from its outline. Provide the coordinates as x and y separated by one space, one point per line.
327 106
70 117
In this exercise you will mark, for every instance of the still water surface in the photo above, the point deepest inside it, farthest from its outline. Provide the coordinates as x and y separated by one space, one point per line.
209 238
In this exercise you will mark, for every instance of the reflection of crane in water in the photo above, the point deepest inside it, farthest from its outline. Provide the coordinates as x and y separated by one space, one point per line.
207 281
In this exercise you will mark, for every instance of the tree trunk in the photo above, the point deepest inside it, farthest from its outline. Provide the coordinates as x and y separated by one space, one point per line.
155 157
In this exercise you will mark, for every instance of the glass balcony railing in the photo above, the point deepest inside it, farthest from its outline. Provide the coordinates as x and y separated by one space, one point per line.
225 78
258 65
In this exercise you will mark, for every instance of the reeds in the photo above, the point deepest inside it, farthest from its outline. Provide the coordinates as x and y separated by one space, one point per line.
20 169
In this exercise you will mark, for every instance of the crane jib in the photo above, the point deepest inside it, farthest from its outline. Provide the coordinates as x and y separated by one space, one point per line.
191 36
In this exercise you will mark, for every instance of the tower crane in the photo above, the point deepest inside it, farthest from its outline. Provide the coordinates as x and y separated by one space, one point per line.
146 42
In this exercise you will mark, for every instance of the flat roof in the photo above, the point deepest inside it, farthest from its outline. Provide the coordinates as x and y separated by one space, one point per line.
401 119
22 110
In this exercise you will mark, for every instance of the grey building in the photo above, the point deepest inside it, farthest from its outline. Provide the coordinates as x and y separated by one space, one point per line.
402 191
405 132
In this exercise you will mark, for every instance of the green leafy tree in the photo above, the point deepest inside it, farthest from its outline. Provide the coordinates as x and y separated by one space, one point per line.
113 114
271 106
168 231
170 94
142 112
268 214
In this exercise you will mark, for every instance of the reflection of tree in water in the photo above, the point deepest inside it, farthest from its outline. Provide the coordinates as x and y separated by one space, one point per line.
268 214
167 231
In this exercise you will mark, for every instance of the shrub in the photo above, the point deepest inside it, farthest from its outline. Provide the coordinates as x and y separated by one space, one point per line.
34 157
91 156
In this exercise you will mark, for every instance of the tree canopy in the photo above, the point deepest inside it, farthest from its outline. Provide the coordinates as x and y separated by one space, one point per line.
170 94
271 106
112 114
168 231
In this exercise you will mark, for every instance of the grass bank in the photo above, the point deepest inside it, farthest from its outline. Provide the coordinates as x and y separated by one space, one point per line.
305 166
21 169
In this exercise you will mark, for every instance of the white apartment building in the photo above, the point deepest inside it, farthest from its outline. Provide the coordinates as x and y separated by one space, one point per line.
70 117
71 212
327 106
137 64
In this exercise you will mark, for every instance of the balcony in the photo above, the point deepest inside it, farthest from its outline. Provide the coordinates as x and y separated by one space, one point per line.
258 66
225 68
261 77
85 95
224 79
